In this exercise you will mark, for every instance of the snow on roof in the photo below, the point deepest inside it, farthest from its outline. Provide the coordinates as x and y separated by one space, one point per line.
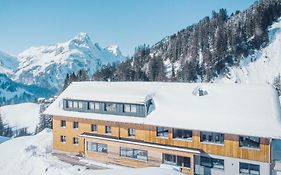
240 109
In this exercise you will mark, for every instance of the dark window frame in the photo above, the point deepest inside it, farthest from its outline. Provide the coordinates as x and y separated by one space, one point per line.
108 129
162 132
132 108
63 123
110 107
63 139
249 167
211 162
135 153
131 132
94 127
75 141
212 137
176 160
182 132
75 125
97 147
243 140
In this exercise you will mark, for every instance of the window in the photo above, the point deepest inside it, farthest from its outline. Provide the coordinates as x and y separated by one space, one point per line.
130 108
246 168
97 147
75 104
94 105
69 104
176 160
212 162
75 125
63 123
212 137
75 141
133 153
182 134
249 142
131 132
162 132
94 128
110 107
108 129
63 139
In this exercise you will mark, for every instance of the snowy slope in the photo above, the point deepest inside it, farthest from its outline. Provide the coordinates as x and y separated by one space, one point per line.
47 66
8 64
31 155
25 115
14 92
260 67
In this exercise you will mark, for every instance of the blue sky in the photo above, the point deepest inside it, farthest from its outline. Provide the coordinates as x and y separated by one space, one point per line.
128 23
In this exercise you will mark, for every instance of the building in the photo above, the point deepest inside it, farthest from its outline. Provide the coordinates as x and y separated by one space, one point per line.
195 128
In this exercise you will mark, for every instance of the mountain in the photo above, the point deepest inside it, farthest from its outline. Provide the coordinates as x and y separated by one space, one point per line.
8 64
47 66
264 66
13 92
215 47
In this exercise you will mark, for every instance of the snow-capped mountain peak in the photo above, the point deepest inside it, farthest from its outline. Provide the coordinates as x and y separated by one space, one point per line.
81 40
114 49
47 66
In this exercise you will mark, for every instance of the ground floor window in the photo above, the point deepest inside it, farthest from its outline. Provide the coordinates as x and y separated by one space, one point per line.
176 160
75 140
210 162
133 153
246 168
97 147
63 139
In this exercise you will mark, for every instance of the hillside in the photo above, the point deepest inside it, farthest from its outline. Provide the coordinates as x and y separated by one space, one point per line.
216 47
13 92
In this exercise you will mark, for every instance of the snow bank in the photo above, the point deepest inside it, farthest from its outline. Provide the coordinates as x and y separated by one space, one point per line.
24 115
32 155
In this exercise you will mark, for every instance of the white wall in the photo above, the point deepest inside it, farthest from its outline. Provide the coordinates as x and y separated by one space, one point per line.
231 166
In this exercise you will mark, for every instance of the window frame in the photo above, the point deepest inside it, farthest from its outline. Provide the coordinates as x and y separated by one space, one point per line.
63 123
74 126
135 153
249 137
211 161
110 107
249 168
97 147
181 138
176 160
130 108
162 131
95 128
75 141
95 107
108 128
62 139
131 132
213 139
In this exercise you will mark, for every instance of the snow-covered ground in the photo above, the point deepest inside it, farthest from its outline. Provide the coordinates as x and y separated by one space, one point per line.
32 155
24 115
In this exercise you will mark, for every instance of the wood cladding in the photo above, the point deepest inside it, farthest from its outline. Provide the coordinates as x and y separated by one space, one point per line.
147 133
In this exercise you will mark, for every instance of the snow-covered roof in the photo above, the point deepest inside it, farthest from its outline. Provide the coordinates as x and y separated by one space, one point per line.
240 109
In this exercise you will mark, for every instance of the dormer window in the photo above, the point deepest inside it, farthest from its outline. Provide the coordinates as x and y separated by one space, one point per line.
110 107
130 108
94 105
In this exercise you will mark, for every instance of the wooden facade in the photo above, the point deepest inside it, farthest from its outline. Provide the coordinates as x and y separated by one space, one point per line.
147 134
